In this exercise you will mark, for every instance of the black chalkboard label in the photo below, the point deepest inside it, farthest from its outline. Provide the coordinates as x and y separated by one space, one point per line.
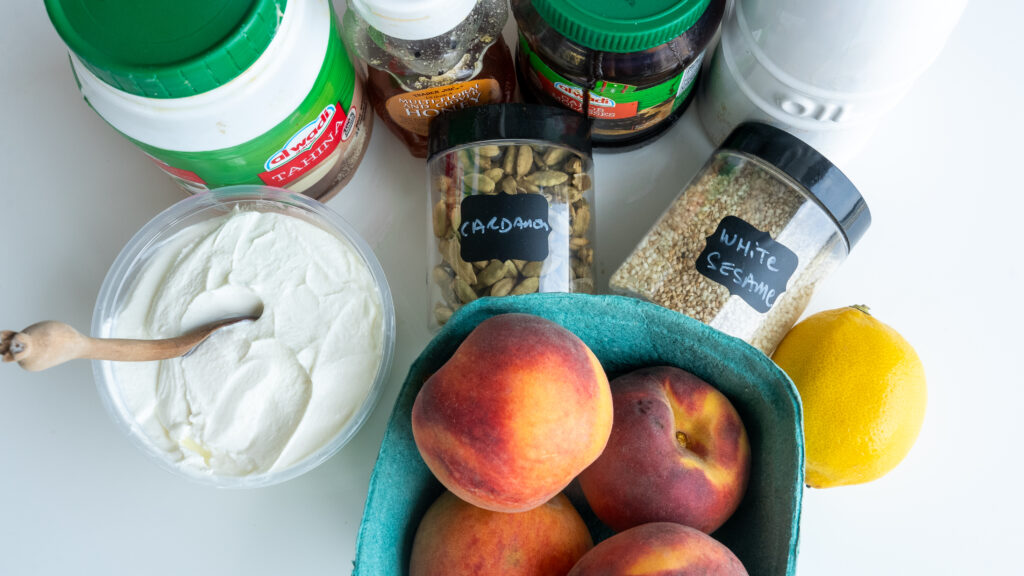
747 262
504 227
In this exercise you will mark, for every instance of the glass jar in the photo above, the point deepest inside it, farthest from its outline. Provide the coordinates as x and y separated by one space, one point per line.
427 57
746 242
511 205
223 92
638 61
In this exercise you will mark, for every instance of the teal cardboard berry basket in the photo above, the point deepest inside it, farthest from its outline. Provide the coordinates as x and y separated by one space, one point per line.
624 334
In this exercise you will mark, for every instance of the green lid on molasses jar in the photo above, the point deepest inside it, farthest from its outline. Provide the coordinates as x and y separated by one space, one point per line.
620 25
166 48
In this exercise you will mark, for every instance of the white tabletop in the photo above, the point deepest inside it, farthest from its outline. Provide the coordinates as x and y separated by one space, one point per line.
940 263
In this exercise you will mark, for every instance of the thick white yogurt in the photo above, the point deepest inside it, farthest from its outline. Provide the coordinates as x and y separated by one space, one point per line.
256 396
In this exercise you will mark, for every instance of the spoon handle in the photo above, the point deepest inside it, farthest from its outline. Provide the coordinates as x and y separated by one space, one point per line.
48 344
127 350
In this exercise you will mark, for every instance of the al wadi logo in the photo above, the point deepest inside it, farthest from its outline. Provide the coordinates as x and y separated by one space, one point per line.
576 93
302 140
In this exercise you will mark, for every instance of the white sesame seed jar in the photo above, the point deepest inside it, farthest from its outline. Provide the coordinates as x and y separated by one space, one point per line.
746 242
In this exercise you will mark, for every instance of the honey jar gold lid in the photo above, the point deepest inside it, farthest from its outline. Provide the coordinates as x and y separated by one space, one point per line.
166 48
810 169
509 121
619 26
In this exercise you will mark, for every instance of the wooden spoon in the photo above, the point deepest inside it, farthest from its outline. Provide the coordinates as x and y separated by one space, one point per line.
47 344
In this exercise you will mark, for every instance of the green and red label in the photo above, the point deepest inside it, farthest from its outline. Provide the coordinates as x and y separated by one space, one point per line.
313 133
610 100
309 146
185 178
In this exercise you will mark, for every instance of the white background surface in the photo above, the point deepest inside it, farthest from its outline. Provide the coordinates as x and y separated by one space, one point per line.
941 263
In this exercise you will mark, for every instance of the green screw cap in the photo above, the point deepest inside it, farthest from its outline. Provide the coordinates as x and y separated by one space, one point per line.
166 48
620 25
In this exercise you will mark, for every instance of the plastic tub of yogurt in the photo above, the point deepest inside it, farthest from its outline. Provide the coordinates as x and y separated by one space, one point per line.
259 402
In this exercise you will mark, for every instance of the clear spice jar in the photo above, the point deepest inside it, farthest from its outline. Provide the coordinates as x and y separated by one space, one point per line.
429 56
511 205
746 242
223 92
638 61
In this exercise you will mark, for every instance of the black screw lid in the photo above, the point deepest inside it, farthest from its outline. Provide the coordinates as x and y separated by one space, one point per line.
810 169
509 122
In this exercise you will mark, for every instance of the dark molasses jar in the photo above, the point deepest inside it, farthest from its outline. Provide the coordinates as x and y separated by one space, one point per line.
639 61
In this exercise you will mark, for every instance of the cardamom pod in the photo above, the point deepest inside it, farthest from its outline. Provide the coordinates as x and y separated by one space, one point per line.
532 269
509 163
440 218
547 178
527 286
494 271
579 268
441 275
503 287
581 223
489 150
553 156
508 185
524 161
462 268
574 165
480 183
511 271
456 216
448 294
494 174
442 313
463 291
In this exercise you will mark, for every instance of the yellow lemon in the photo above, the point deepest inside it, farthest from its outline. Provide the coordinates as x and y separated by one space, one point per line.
863 392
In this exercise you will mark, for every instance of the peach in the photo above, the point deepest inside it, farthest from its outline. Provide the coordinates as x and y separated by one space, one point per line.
456 538
659 548
678 453
520 408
